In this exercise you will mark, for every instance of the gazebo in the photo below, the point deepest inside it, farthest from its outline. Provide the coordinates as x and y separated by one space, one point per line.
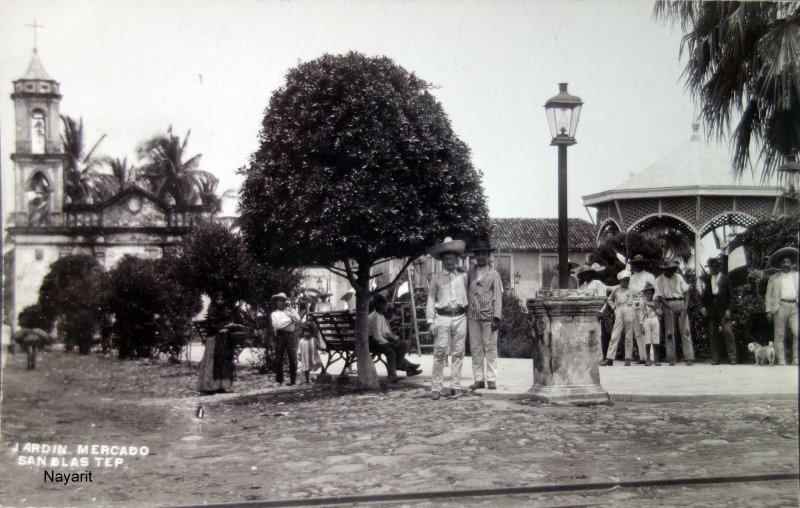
693 190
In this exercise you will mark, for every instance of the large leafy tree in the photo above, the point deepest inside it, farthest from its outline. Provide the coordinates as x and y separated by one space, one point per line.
84 181
744 65
357 164
170 177
70 295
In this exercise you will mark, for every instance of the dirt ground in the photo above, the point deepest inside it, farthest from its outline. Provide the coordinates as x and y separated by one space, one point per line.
271 442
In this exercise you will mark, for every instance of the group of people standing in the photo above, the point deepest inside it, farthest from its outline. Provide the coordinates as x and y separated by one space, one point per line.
469 303
638 301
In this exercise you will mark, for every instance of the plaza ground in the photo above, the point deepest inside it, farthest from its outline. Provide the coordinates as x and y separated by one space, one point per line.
275 442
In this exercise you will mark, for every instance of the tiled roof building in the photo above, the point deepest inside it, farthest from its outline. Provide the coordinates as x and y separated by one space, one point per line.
541 235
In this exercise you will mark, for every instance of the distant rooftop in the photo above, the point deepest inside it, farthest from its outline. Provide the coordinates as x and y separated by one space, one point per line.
541 235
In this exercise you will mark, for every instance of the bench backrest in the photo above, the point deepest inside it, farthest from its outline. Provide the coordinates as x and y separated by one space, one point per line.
338 329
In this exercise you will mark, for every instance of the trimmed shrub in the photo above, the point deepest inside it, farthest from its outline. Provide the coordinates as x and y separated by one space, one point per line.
152 310
70 295
516 332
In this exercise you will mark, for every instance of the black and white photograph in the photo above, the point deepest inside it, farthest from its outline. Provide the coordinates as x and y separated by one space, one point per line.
399 253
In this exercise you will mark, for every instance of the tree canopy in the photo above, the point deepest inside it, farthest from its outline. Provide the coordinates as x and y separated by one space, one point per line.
744 66
70 294
213 258
357 163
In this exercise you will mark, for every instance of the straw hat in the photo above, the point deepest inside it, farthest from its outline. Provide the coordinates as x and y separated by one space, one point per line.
279 296
670 263
624 274
449 245
786 252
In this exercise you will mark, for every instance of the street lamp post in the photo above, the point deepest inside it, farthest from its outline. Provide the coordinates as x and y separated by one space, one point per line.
563 113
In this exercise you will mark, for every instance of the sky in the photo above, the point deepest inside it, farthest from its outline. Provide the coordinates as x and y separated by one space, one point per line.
132 69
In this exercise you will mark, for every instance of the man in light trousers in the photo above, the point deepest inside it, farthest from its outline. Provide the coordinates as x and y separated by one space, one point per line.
621 302
781 301
485 297
672 292
446 313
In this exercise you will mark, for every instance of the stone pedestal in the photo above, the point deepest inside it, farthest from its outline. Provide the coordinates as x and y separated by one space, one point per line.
566 348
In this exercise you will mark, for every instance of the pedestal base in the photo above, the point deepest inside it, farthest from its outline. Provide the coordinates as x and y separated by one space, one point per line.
566 349
589 395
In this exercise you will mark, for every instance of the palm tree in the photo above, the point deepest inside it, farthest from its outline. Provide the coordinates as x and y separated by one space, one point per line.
744 61
83 181
170 177
124 175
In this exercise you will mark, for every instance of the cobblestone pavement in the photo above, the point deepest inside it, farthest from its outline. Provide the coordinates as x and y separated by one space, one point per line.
270 442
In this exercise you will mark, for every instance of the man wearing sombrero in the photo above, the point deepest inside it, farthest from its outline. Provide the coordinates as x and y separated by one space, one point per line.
572 282
446 314
781 301
485 295
672 292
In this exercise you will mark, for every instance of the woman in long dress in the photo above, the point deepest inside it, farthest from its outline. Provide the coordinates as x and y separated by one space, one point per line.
217 367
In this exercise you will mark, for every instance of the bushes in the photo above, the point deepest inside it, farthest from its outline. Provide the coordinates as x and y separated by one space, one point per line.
70 296
152 310
516 333
33 316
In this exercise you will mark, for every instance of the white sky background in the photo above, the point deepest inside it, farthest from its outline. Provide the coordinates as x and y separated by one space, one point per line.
131 69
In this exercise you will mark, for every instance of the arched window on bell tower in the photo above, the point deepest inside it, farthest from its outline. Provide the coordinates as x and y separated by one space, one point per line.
38 131
38 197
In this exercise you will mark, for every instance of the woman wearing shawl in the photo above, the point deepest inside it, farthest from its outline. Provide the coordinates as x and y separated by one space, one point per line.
217 367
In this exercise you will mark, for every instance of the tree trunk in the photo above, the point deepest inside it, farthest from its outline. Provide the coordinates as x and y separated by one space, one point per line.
367 375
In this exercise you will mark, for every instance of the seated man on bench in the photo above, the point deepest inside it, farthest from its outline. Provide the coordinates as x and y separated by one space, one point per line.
383 341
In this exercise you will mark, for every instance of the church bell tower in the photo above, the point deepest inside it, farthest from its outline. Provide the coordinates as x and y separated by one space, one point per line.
38 158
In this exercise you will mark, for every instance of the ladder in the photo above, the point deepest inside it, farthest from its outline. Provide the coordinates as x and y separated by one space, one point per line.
419 324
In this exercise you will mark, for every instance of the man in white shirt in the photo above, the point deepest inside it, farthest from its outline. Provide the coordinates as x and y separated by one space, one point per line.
672 292
621 302
446 313
284 321
383 341
781 301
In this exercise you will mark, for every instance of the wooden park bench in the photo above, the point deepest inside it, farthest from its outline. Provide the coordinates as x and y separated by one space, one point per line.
338 330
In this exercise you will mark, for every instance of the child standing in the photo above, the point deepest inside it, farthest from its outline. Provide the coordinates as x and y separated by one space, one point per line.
309 355
648 317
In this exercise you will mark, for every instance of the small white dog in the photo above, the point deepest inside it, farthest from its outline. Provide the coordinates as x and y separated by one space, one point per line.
763 354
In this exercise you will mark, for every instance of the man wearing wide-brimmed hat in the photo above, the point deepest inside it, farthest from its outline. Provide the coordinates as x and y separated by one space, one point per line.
716 300
588 277
485 296
284 321
781 301
621 302
639 277
572 281
446 314
672 292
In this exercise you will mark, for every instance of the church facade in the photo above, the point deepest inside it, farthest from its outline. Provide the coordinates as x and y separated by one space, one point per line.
43 226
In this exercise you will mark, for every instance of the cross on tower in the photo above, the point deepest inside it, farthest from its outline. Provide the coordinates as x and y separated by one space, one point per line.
35 26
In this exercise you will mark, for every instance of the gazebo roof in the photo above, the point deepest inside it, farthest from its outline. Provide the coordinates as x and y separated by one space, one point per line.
693 169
